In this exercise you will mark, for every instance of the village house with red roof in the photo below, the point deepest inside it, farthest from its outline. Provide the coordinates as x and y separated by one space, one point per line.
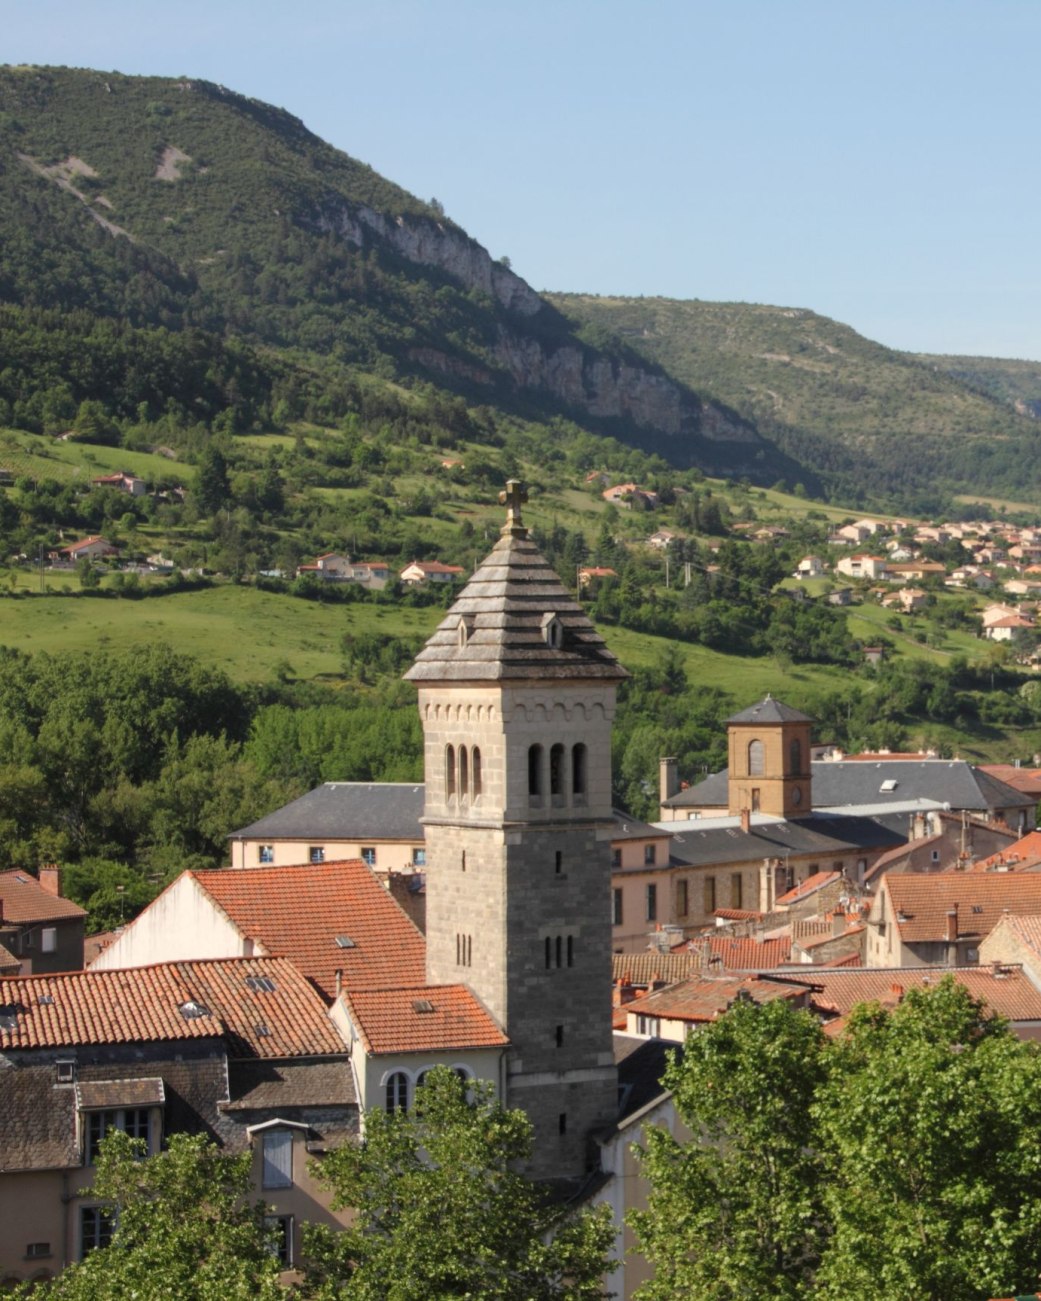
40 929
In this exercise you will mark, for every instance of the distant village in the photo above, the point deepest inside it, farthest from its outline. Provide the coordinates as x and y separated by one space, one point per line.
501 918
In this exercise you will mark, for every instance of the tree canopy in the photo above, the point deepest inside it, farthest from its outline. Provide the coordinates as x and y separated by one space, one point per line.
898 1161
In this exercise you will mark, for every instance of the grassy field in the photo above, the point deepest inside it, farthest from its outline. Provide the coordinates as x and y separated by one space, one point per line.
40 457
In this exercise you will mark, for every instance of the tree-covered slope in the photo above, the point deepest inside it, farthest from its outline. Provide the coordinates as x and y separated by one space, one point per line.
177 203
868 417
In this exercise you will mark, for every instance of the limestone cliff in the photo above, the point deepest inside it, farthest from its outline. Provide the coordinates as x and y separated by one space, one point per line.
583 378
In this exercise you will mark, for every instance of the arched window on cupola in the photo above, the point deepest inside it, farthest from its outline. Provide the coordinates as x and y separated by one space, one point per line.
556 774
449 772
756 759
795 757
535 774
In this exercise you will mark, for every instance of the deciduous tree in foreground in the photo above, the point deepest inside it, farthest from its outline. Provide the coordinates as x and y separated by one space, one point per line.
901 1160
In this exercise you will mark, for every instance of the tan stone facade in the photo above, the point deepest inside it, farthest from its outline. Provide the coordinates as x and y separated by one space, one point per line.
769 765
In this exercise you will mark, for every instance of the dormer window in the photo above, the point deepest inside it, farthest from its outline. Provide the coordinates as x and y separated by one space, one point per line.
465 628
552 631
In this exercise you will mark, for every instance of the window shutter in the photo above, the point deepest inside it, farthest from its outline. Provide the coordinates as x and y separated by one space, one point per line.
278 1159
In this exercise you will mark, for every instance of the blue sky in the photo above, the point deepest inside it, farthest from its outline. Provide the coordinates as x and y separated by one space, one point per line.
876 162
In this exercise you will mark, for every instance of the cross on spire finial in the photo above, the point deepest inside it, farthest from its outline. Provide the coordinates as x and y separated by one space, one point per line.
513 499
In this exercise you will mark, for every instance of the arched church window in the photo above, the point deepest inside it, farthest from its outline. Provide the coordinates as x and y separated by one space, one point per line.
464 773
578 773
756 759
795 757
475 771
449 772
397 1092
556 774
535 773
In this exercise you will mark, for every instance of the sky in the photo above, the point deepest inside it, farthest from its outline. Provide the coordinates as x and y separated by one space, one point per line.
873 160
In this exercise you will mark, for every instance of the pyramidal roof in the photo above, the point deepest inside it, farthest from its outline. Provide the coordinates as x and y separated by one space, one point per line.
515 620
770 711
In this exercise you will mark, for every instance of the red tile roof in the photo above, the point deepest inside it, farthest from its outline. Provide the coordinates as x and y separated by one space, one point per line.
24 900
704 998
807 887
298 913
924 901
1010 994
1027 780
1020 854
421 1018
1025 929
143 1005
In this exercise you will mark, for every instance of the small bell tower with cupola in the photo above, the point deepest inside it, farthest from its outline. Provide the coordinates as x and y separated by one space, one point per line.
769 770
516 697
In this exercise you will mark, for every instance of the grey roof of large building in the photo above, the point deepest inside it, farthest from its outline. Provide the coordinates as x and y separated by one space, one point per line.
845 783
515 620
770 711
820 833
345 811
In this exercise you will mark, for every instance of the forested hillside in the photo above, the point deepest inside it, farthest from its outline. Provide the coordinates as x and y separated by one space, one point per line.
872 421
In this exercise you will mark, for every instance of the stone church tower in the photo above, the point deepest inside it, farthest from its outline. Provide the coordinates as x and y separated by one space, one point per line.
516 698
769 769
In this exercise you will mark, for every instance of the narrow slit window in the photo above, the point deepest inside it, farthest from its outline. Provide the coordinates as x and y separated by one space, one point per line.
464 773
571 950
475 772
556 774
449 772
578 771
535 772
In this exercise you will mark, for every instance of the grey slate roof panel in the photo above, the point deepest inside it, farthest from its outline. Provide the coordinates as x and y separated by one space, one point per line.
346 811
840 783
817 834
496 630
770 711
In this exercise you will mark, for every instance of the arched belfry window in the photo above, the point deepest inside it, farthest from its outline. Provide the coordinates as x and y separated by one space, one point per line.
449 772
475 772
795 757
464 773
578 773
556 773
756 759
535 773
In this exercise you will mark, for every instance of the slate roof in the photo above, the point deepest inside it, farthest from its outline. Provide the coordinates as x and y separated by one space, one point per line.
289 1085
144 1005
769 711
641 1064
423 1018
345 811
24 900
839 783
299 913
924 900
500 627
820 833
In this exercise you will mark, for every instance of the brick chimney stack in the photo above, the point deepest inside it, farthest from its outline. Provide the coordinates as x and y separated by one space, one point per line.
668 779
50 879
952 924
746 820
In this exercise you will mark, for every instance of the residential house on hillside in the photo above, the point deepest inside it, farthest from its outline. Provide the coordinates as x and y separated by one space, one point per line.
593 575
92 548
631 496
241 1050
861 566
810 567
1006 627
38 927
942 919
430 571
122 482
330 565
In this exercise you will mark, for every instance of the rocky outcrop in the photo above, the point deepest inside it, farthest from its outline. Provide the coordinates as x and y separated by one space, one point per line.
584 379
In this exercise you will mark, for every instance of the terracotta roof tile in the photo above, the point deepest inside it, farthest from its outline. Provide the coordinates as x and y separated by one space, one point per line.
924 901
25 900
704 998
325 917
143 1005
807 887
1020 854
422 1018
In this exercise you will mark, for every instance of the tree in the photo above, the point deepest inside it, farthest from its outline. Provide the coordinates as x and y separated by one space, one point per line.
212 488
184 1228
733 1212
442 1213
931 1120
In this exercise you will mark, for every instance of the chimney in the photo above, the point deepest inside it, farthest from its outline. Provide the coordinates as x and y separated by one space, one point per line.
746 820
952 924
50 879
668 779
339 981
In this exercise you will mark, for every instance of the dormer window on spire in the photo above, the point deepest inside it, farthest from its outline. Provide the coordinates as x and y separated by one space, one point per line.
552 631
